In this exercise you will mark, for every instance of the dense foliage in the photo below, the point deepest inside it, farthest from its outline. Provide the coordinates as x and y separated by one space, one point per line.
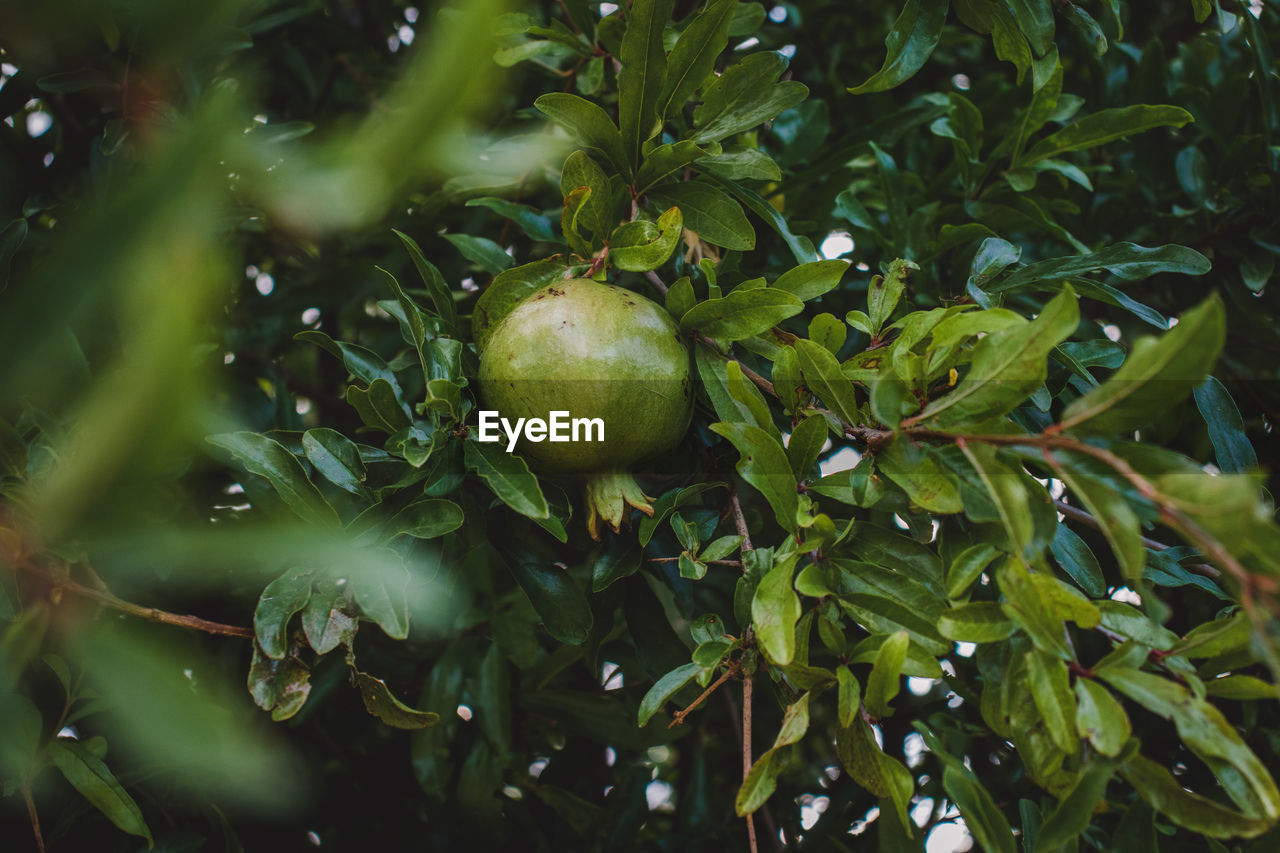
970 539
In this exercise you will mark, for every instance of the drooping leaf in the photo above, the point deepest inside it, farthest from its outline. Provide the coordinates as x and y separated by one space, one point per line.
95 781
763 464
509 478
269 459
909 44
383 704
775 609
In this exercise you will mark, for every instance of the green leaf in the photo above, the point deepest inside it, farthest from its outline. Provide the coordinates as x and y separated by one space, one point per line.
282 598
1051 690
849 696
1035 19
665 159
482 252
886 675
1191 811
1004 485
379 406
977 622
867 764
663 689
589 125
710 212
1127 261
918 474
749 165
981 815
809 281
1075 811
775 609
336 457
509 478
437 289
534 224
884 292
750 400
826 330
11 240
966 568
559 601
745 95
644 67
1106 126
914 36
620 558
760 781
1231 445
508 289
694 56
1026 606
824 377
95 781
1007 367
427 518
1241 688
805 445
1158 374
638 246
327 619
269 459
763 464
382 703
801 247
991 259
1100 718
1077 560
599 212
379 590
741 314
1117 519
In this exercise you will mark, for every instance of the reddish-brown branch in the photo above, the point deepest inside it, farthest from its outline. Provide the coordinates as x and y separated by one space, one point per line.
33 815
151 614
678 718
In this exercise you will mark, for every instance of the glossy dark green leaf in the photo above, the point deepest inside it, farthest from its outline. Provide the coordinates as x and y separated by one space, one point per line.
1117 519
599 213
745 95
667 158
694 56
282 598
749 165
327 620
589 125
1128 261
1106 126
805 445
509 478
1078 561
482 252
269 459
709 211
644 68
882 775
1007 367
379 406
823 375
811 280
1158 373
1075 811
1232 449
1051 689
663 689
1035 19
508 290
909 44
801 247
437 289
557 598
967 567
741 313
763 464
336 457
534 224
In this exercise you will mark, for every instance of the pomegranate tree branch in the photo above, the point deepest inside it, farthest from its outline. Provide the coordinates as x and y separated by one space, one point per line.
679 716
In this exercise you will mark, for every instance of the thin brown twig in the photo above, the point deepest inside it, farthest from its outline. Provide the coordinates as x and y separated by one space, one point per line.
1083 517
35 817
740 521
678 718
151 614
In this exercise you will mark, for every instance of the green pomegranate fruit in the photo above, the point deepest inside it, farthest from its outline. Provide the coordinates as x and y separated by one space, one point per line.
607 358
